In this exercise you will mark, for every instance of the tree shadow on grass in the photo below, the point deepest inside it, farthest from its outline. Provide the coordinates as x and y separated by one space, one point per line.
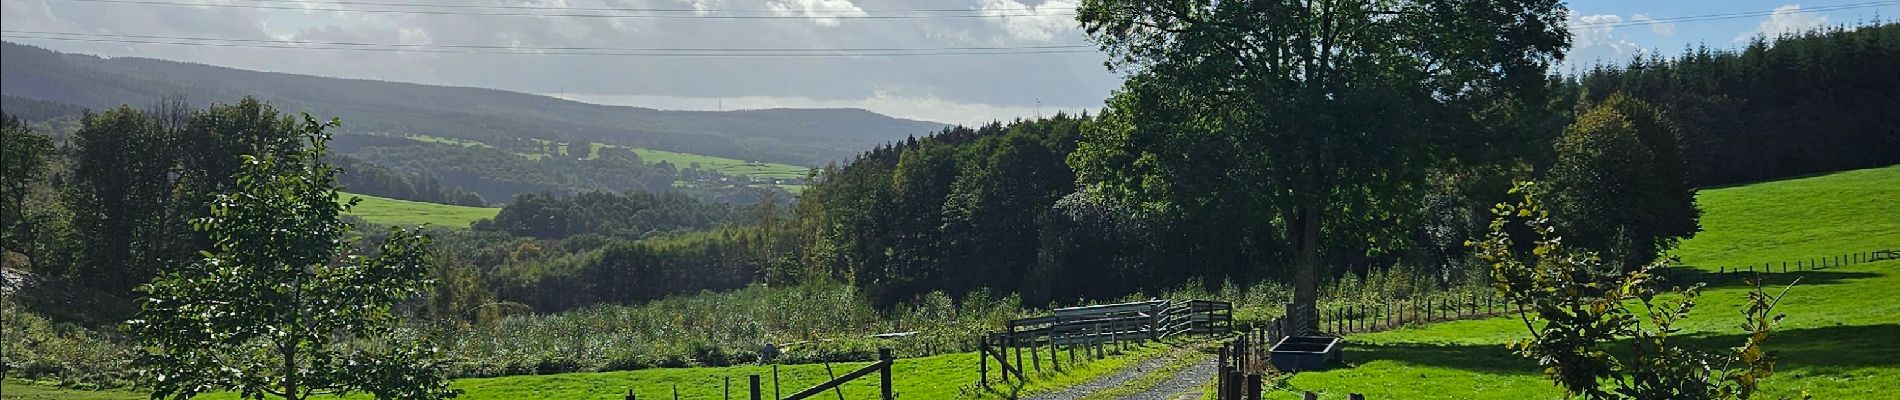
1680 276
1821 351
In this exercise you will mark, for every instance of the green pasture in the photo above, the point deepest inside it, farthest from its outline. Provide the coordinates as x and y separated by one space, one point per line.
728 166
1838 342
949 376
387 211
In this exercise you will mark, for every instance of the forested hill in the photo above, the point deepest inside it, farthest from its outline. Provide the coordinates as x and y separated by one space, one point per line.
792 136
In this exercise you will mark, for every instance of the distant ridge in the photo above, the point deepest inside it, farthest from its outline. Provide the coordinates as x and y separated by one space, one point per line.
793 136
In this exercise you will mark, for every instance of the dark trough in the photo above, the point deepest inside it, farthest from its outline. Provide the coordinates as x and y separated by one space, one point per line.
1305 353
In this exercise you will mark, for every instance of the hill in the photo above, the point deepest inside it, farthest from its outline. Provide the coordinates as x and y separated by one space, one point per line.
791 136
1834 343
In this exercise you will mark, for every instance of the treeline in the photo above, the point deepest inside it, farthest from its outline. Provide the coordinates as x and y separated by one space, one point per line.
113 207
623 215
375 180
1793 105
999 206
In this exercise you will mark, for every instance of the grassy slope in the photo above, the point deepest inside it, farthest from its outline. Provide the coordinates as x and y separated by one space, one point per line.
949 376
1838 340
387 211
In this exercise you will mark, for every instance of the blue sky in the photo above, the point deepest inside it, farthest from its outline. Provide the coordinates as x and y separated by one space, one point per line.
956 89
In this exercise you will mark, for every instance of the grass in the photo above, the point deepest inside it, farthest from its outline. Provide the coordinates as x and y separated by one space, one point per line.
447 140
948 376
1837 341
727 166
387 211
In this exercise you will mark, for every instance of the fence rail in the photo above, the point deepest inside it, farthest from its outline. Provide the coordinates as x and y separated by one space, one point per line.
1244 360
1095 330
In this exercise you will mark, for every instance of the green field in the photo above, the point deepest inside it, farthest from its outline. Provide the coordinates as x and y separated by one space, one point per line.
949 376
387 211
447 140
728 166
1839 341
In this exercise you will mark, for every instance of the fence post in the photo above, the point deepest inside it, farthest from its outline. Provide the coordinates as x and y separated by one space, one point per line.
676 391
728 388
1220 379
884 374
1035 353
1053 363
756 394
1253 386
1018 347
983 360
630 395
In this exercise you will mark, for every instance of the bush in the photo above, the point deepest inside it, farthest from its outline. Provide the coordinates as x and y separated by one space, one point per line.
40 349
1575 304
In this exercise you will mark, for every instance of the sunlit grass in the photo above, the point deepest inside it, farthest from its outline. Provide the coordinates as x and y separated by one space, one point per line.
1837 342
387 211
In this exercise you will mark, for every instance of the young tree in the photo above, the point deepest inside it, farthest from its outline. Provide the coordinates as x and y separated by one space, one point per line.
282 307
1306 111
1620 183
1574 306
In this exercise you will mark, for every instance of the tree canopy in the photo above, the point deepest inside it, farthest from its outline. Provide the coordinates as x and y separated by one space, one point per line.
1301 114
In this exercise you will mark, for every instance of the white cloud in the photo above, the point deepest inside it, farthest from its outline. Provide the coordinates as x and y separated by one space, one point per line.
1039 23
821 12
1663 28
952 88
1596 34
1786 19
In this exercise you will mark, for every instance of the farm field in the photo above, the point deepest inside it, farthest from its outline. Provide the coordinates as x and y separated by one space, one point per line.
728 166
1837 341
949 376
387 211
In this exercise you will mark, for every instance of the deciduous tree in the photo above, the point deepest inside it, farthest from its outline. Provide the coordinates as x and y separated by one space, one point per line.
282 306
1304 109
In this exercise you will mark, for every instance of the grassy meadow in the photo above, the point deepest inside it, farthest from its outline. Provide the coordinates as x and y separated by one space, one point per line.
727 166
387 211
1838 341
947 376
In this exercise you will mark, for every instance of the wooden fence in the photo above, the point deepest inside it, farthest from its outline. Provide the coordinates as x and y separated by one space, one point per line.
756 390
1243 361
1810 264
1096 331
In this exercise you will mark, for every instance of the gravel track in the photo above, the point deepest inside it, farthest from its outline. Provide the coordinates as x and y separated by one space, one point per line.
1103 383
1185 384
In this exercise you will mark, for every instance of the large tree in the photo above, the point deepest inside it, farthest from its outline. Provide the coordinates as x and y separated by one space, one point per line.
1311 110
281 306
122 182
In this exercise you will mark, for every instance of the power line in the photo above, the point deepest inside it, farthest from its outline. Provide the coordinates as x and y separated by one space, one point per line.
526 49
1735 15
866 14
762 53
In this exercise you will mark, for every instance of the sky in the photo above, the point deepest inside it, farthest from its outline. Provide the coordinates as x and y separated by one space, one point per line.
1041 79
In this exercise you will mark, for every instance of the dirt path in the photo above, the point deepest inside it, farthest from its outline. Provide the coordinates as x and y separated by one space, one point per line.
1184 385
1112 380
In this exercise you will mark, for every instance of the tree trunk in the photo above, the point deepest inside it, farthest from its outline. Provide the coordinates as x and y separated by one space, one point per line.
1304 231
